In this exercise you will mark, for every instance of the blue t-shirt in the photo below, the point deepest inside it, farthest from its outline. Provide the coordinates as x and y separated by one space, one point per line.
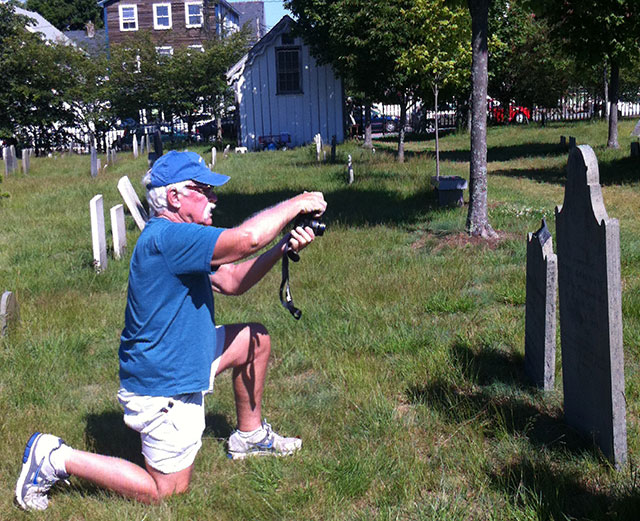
168 341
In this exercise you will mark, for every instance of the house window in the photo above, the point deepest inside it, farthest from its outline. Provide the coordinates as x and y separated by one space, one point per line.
288 71
193 14
164 51
161 16
128 17
197 47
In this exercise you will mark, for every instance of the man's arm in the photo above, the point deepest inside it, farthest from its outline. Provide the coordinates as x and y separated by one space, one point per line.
236 279
258 231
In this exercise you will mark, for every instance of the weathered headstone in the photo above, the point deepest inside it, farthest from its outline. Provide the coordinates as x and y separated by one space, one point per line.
5 160
9 312
635 149
333 149
318 141
226 151
636 130
563 141
157 143
214 151
132 201
25 160
14 159
591 309
142 140
134 143
94 162
572 142
147 139
349 170
114 156
98 235
450 189
540 310
118 231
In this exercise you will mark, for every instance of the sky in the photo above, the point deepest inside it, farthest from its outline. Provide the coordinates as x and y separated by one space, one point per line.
273 11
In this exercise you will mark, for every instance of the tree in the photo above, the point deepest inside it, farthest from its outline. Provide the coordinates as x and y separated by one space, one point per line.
598 31
439 53
68 14
362 40
526 65
477 216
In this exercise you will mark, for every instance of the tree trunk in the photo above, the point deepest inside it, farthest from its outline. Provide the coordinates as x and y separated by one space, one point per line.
403 123
435 107
477 217
614 85
368 141
606 92
218 127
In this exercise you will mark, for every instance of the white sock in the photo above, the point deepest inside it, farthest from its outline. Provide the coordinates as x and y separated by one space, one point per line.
249 434
58 458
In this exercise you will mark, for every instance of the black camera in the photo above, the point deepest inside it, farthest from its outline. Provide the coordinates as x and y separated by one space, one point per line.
305 220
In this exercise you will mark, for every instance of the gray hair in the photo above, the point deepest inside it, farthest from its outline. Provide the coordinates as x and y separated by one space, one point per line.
157 195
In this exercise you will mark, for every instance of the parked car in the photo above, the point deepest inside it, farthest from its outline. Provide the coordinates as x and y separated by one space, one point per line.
379 122
514 114
207 131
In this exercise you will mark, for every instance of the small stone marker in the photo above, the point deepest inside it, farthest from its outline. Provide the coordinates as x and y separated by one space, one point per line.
563 141
540 312
134 143
157 143
572 142
226 151
214 151
98 236
14 158
118 231
318 141
5 160
333 149
9 312
25 160
132 201
349 170
636 130
95 168
147 140
591 309
450 189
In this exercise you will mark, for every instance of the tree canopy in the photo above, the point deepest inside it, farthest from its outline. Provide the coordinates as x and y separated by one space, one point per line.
68 14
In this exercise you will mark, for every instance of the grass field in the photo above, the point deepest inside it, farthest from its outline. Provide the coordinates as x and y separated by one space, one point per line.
404 376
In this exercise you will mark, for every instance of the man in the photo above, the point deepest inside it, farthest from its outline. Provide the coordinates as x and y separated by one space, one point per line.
171 349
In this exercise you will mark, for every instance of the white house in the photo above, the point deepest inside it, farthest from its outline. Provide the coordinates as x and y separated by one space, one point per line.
282 95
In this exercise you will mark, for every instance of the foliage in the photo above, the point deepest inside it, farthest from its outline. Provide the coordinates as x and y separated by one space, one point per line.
526 65
68 14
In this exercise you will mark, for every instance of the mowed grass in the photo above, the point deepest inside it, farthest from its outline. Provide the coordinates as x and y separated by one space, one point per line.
404 376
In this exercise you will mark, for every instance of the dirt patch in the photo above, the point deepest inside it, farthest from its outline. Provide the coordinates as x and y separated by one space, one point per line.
462 240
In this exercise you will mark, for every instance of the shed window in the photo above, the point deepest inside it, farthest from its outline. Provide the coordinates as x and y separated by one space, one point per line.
193 14
161 16
288 71
128 17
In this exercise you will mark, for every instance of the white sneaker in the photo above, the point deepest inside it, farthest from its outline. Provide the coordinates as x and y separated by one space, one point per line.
264 442
38 474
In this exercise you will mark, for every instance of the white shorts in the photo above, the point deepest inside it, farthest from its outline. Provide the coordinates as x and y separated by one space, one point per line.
170 427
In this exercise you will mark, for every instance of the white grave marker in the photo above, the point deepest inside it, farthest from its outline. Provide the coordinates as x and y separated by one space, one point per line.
134 141
98 236
214 151
132 201
118 230
9 311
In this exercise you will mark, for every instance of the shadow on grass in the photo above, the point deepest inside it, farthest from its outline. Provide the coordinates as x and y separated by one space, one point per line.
508 153
354 207
560 494
106 433
217 426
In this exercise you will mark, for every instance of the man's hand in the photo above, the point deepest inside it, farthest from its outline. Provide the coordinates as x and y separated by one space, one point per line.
300 238
312 203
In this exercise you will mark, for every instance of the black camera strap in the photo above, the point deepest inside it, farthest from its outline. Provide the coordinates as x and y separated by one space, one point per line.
285 291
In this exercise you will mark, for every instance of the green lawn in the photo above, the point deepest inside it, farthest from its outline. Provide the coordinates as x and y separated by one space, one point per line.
404 376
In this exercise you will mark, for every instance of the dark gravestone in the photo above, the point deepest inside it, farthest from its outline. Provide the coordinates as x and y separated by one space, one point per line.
572 142
591 309
563 141
540 313
157 143
635 149
9 312
94 162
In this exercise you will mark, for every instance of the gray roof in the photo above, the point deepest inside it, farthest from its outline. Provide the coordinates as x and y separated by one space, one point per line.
94 46
41 25
252 12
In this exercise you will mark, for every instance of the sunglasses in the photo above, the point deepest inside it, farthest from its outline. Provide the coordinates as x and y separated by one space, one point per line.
205 190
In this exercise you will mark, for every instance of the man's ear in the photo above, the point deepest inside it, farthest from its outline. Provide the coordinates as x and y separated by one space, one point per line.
173 197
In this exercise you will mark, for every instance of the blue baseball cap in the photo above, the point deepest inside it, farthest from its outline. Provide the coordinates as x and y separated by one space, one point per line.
175 166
